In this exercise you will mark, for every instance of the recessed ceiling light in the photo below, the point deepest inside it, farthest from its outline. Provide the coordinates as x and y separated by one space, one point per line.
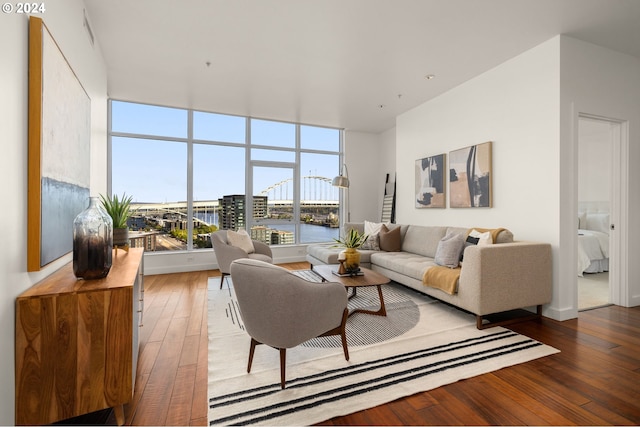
430 76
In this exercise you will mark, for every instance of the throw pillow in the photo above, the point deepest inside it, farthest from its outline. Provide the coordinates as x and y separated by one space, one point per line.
449 250
582 220
390 240
471 241
598 222
483 238
372 243
371 228
240 239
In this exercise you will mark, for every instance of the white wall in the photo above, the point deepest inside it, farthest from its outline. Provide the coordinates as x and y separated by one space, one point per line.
64 20
362 156
516 106
387 159
529 108
594 161
604 83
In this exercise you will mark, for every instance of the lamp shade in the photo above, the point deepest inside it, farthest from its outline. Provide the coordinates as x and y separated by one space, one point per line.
340 181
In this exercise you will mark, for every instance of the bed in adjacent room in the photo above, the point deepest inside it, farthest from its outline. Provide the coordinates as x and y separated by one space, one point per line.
593 242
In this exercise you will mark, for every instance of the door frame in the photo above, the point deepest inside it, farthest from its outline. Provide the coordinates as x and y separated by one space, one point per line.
618 210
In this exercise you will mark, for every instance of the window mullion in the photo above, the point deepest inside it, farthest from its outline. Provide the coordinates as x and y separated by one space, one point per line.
248 182
190 180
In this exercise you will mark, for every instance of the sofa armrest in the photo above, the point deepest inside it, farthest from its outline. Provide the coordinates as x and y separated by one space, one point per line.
506 276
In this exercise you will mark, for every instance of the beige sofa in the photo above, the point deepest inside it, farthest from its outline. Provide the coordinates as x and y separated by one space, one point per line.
497 278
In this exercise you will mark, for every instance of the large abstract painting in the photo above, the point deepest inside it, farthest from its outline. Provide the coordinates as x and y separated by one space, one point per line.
59 149
430 178
470 177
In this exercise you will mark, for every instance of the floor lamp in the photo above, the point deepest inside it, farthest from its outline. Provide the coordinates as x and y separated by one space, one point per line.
342 181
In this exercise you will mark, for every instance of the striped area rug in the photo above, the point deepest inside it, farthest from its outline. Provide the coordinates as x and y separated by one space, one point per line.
435 346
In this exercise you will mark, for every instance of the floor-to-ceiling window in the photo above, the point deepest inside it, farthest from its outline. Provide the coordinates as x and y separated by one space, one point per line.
192 172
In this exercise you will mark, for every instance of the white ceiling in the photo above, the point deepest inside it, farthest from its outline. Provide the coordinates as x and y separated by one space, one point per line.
354 64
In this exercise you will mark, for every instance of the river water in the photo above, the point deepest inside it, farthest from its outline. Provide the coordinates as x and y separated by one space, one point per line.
309 233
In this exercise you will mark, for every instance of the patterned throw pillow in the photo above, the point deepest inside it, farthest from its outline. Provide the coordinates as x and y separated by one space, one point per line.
476 238
483 238
449 250
240 239
372 243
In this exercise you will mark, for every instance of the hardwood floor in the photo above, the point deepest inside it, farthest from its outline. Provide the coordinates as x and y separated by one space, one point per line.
594 380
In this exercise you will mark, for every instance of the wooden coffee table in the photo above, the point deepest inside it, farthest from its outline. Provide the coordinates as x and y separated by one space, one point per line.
369 278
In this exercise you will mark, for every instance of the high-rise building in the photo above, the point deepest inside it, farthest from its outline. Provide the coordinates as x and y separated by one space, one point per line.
280 237
233 210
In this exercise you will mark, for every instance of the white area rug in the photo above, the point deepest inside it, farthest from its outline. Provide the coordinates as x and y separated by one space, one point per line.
440 346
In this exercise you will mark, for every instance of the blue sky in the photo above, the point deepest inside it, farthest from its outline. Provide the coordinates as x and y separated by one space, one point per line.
155 170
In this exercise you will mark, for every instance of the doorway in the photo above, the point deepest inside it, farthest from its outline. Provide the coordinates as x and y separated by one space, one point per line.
600 146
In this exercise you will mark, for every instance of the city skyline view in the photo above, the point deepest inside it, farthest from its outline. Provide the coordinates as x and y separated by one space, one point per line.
178 157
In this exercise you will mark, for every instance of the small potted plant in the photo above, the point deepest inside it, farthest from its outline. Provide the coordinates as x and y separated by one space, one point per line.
351 242
119 209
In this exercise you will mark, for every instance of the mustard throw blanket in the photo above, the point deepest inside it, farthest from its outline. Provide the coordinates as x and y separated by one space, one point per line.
445 278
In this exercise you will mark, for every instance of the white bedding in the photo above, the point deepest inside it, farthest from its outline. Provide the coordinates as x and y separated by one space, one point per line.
593 251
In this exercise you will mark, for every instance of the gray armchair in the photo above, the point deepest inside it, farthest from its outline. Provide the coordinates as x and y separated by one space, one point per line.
282 310
226 254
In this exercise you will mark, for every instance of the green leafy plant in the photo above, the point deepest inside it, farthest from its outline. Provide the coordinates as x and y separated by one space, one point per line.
353 239
118 208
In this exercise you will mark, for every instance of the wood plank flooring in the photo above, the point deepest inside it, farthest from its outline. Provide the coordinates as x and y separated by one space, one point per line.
594 380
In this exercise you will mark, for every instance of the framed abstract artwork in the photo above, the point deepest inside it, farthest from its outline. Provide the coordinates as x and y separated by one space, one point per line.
430 182
59 149
470 177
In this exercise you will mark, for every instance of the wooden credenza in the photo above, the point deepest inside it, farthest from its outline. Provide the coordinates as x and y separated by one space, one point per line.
77 342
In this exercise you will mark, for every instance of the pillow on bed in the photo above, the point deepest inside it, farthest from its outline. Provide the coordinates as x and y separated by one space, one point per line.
598 222
582 220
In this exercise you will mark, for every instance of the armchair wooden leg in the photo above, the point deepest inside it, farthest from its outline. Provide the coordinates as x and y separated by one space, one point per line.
252 349
283 362
222 276
343 333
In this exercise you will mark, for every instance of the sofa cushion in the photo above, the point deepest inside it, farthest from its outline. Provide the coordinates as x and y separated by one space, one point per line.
405 263
390 240
423 240
449 250
327 253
